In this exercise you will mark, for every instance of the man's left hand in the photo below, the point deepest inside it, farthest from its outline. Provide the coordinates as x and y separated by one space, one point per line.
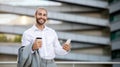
66 47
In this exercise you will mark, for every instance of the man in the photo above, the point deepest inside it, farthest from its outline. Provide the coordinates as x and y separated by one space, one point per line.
48 45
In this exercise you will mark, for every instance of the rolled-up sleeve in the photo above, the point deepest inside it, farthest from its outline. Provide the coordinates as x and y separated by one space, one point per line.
58 48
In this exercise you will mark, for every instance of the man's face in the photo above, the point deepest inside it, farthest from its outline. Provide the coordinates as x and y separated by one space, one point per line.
41 16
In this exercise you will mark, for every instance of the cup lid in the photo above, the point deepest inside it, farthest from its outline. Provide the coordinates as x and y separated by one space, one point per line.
38 38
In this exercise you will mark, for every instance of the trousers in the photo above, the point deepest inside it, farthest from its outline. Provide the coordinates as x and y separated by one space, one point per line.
48 63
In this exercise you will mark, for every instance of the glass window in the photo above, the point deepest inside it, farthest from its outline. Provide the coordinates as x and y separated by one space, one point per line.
111 18
115 54
113 1
115 17
115 35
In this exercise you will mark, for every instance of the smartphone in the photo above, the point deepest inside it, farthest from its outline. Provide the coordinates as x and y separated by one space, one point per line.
68 41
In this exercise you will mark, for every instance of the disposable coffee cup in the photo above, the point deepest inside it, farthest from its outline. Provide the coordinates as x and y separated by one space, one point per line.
39 40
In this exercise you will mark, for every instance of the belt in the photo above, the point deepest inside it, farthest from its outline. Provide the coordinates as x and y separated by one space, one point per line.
47 60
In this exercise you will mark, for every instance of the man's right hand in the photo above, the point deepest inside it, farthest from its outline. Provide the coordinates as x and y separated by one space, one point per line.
37 44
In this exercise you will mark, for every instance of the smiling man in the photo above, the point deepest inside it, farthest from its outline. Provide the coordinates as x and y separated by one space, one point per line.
44 39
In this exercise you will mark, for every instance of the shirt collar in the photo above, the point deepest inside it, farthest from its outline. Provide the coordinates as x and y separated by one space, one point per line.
36 29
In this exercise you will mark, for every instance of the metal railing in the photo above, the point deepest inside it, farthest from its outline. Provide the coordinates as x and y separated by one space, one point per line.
71 63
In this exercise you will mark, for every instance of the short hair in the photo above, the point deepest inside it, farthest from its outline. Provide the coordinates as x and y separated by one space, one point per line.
39 9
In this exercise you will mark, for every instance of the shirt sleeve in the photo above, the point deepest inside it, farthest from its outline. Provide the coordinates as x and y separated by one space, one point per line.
58 48
26 41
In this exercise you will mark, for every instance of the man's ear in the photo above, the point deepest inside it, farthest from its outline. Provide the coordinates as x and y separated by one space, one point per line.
35 15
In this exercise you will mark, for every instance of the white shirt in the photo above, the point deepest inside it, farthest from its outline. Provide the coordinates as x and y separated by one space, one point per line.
50 44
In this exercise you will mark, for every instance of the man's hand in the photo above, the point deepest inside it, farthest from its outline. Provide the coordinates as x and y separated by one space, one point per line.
37 44
66 47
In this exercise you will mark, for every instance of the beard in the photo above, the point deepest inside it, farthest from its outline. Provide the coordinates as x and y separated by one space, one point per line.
40 21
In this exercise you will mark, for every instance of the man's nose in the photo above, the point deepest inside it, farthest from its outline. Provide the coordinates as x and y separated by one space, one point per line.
42 16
